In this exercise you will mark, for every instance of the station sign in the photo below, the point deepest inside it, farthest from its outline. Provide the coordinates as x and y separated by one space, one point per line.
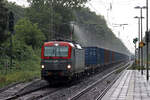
141 44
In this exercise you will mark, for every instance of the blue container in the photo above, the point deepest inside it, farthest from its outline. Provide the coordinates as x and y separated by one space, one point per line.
91 55
115 56
101 56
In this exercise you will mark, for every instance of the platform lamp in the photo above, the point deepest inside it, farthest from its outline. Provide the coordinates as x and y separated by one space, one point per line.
138 39
138 7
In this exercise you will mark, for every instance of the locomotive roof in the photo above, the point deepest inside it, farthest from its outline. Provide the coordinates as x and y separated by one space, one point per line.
75 45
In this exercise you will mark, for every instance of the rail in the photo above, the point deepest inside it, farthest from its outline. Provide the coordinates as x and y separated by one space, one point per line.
108 87
79 94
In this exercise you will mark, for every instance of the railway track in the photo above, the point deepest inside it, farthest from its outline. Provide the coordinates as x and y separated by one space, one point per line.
38 94
34 90
40 90
108 87
9 86
90 87
19 89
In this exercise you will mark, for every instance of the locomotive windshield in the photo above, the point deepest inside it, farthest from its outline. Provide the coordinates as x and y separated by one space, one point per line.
56 51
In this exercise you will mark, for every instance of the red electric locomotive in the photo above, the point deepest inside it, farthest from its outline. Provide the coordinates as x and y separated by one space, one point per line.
61 59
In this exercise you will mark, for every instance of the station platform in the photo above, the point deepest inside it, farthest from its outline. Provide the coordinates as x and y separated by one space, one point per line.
131 85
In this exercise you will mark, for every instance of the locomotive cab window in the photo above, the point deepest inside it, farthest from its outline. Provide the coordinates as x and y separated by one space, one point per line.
56 51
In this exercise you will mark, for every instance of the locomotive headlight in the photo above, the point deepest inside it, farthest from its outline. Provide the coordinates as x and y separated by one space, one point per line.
56 44
69 66
42 66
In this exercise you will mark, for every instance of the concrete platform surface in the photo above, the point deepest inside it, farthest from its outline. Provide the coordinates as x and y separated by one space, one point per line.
130 86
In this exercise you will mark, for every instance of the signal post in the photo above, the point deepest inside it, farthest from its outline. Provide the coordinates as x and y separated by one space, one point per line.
134 41
11 29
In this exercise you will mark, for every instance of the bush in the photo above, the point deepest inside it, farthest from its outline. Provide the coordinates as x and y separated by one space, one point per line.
29 33
21 51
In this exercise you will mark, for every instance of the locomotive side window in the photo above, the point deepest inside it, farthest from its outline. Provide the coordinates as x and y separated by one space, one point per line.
56 51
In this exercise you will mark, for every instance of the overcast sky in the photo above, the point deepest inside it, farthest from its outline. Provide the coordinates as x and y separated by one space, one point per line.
117 12
121 12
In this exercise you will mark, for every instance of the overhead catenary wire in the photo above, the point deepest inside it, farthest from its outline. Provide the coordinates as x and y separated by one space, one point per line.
108 7
90 4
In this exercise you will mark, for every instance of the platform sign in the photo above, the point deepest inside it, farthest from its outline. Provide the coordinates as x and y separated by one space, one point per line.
141 44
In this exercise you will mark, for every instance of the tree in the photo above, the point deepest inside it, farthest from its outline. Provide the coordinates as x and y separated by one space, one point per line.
19 11
51 15
42 15
64 3
29 33
3 21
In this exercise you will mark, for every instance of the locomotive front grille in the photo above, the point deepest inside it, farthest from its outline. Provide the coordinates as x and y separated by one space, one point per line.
56 64
61 66
54 73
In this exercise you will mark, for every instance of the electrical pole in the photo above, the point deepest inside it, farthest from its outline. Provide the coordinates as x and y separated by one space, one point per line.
147 40
138 39
142 42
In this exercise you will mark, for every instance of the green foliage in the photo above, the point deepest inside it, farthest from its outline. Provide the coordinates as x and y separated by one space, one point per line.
52 15
29 33
19 12
42 16
3 21
96 24
6 7
27 41
63 3
20 50
25 71
135 67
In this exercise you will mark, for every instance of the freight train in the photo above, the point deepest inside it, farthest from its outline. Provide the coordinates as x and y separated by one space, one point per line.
65 60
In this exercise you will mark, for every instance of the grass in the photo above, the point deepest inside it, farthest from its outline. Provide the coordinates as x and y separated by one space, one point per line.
118 71
136 67
22 71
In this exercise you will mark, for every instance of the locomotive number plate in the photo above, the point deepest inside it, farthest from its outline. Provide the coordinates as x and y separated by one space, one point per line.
55 61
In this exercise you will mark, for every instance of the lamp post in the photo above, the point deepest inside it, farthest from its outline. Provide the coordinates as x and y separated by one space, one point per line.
138 38
138 7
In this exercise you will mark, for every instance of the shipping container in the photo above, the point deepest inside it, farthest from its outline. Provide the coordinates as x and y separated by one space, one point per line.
113 57
106 57
101 56
110 56
91 55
